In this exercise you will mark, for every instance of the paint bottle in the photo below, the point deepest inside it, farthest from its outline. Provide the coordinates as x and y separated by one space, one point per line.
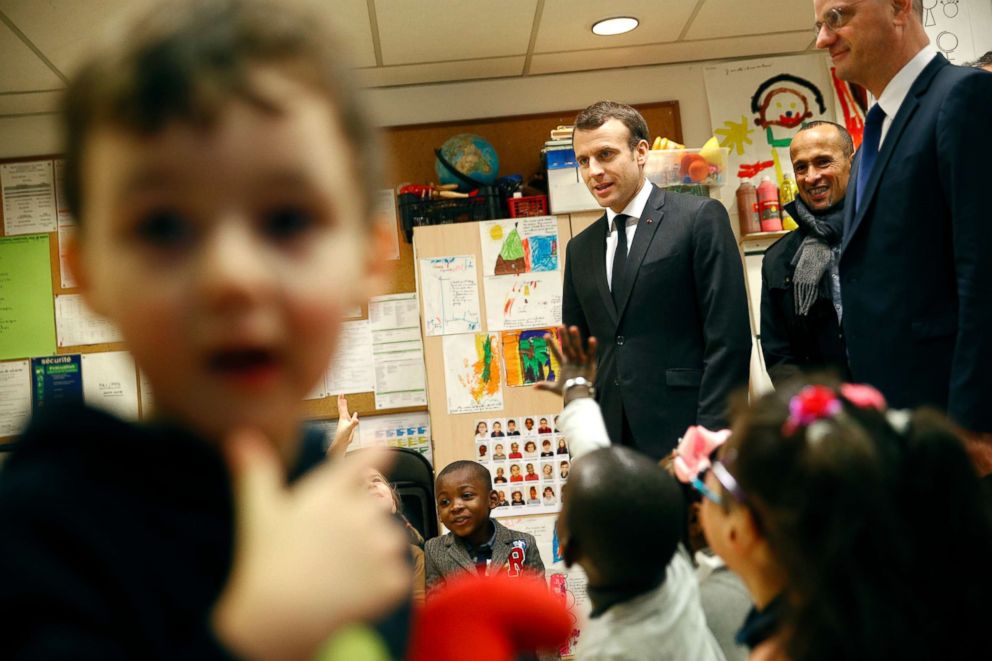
787 195
768 206
747 208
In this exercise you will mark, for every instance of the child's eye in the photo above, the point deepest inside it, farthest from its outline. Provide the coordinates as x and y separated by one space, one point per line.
286 223
443 503
164 228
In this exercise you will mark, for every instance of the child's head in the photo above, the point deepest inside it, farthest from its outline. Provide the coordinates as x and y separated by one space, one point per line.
514 469
530 469
847 507
511 425
483 450
465 497
546 445
481 428
501 495
514 447
498 449
222 172
530 446
563 467
544 422
383 491
547 470
533 492
549 492
517 496
497 427
500 471
561 442
529 423
621 519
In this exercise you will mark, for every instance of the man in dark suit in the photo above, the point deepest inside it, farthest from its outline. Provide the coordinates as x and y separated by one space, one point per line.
916 257
663 294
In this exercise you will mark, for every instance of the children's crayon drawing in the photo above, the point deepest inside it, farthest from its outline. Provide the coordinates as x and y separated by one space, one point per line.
527 358
451 295
519 245
472 372
524 301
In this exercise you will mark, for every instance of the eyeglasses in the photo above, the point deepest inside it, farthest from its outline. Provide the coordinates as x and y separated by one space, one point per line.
834 19
722 476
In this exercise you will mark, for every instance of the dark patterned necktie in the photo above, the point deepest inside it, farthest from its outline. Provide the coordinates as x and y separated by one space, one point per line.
619 259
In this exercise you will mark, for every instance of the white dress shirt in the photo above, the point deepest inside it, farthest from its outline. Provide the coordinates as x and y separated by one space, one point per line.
634 209
895 92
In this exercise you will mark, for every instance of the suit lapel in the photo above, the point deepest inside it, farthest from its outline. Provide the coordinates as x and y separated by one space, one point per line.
647 226
899 122
597 257
459 555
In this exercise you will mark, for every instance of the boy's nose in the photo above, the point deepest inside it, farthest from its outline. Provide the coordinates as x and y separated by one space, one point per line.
233 270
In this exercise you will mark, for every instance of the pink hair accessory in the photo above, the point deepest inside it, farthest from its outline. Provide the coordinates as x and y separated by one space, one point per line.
863 396
811 404
692 456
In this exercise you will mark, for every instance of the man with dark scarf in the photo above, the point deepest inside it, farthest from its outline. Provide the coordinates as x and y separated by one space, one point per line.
800 287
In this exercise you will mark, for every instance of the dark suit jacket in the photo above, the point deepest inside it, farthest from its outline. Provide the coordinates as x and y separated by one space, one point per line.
916 268
448 554
681 341
794 344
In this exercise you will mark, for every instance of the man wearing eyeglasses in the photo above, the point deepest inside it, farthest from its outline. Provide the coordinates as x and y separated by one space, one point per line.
916 253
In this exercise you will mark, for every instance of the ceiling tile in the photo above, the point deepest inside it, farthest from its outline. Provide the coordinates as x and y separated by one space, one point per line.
351 18
23 71
683 51
419 31
727 18
413 74
567 24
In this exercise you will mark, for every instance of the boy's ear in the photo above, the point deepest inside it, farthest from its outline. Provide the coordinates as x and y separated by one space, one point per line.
378 269
743 532
77 266
493 499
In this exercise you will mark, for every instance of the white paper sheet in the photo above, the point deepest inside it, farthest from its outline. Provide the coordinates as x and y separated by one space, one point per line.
519 245
386 213
28 197
398 430
450 293
351 369
77 325
532 300
472 378
398 353
66 225
15 396
110 382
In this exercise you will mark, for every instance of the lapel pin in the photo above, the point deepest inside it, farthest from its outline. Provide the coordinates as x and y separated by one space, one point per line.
650 221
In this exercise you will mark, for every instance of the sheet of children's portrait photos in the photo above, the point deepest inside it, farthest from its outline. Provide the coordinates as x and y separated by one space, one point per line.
528 460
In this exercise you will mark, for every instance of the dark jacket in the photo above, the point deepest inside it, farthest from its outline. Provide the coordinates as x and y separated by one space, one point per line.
681 342
916 271
794 344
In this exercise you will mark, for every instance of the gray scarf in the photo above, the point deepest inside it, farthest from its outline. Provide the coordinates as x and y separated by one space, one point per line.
823 232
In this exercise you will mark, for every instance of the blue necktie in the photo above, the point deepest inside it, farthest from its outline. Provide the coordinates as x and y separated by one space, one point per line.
869 148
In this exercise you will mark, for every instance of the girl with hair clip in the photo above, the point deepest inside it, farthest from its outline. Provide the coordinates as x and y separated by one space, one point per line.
837 515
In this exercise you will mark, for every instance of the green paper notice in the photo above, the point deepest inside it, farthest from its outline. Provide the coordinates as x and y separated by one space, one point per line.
27 318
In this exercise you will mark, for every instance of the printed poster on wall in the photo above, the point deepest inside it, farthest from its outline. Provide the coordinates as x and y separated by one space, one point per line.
56 380
472 373
27 325
28 191
757 105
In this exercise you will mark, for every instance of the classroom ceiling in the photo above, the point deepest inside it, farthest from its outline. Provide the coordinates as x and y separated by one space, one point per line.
414 42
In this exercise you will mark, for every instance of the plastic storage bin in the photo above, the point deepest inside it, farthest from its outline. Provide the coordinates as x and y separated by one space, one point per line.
416 211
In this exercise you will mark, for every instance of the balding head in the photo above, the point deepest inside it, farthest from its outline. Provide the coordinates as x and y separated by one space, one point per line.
621 519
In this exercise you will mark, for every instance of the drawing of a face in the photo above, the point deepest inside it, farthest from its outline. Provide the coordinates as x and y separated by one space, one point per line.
784 107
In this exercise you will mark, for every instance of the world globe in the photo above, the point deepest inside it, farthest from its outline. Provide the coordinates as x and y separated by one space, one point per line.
471 155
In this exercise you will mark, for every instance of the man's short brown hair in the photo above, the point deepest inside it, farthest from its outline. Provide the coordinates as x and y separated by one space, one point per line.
602 111
188 58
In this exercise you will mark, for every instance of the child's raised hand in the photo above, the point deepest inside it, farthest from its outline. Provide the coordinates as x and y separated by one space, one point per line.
575 358
347 425
309 558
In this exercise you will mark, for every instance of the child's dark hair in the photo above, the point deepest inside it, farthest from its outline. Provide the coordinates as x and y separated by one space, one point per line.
858 509
188 58
477 470
625 514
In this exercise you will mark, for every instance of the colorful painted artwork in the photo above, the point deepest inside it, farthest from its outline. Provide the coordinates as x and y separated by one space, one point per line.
472 372
519 245
757 106
527 358
524 301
